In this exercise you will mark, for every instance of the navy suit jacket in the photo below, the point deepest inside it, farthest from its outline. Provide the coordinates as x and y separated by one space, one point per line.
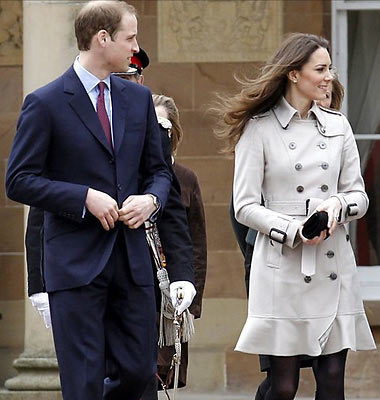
60 150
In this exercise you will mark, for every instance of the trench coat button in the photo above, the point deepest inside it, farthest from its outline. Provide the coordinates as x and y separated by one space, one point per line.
118 186
324 188
307 279
325 165
322 145
333 276
330 254
292 146
300 189
347 237
298 166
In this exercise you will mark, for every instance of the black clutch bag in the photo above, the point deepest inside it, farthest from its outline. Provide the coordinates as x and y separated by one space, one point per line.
316 223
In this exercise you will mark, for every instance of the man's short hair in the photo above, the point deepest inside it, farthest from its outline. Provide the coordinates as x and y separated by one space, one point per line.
98 15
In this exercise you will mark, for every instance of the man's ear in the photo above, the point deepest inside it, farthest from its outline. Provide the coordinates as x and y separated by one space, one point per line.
102 36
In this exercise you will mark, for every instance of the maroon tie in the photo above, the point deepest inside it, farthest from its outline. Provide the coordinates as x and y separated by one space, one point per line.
102 113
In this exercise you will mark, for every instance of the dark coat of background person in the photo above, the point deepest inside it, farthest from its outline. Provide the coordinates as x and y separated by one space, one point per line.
192 200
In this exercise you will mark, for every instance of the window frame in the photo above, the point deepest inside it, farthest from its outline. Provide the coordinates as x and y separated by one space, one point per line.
369 275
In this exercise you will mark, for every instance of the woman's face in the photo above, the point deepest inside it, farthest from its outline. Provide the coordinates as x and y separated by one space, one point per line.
161 112
312 81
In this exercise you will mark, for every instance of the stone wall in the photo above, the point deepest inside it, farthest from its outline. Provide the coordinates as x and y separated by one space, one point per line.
11 214
189 63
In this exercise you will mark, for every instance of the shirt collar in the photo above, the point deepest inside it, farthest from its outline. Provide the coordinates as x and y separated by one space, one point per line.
89 80
285 112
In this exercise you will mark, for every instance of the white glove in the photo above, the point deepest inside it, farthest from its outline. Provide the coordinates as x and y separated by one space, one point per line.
41 302
188 292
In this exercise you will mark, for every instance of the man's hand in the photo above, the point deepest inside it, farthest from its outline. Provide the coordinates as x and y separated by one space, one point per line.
41 302
103 207
188 291
136 210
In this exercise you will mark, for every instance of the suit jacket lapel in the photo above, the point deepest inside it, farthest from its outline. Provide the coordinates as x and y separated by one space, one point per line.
82 106
119 111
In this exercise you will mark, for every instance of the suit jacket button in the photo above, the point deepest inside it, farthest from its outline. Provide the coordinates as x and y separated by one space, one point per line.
300 189
111 161
330 254
333 276
307 279
298 166
324 188
118 186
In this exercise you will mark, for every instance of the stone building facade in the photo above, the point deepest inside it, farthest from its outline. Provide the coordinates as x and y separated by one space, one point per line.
195 48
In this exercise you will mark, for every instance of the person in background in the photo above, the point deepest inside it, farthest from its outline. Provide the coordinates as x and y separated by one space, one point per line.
168 115
134 73
304 294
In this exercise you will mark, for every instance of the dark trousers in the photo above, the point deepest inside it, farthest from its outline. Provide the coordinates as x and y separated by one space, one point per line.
110 317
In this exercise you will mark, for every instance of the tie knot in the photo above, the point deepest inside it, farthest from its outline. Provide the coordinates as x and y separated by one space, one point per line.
101 85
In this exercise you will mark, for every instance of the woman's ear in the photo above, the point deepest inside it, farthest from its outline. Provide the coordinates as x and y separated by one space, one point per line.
293 76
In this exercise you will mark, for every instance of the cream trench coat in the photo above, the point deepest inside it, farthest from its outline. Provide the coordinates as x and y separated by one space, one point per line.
303 299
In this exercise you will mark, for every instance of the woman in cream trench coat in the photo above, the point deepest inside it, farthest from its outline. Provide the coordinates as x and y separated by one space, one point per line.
304 294
305 299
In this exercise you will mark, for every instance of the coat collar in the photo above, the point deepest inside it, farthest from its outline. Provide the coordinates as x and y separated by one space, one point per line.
284 113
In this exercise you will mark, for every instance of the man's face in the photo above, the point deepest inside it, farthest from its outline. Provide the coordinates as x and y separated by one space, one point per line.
120 50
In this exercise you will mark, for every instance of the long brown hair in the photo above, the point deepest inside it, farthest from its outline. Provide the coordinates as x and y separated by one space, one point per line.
173 116
261 94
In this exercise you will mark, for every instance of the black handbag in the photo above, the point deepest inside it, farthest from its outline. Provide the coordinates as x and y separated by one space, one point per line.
316 223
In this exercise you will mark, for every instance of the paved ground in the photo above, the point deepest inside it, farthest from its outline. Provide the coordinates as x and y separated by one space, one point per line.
182 395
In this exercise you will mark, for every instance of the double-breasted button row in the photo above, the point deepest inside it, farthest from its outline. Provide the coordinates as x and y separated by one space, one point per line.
333 276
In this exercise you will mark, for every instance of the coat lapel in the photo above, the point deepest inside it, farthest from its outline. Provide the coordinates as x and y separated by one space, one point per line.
119 111
82 106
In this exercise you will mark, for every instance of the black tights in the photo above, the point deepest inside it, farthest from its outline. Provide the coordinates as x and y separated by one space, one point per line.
328 371
329 376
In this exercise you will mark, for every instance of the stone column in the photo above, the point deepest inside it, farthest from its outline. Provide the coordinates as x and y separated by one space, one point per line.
49 48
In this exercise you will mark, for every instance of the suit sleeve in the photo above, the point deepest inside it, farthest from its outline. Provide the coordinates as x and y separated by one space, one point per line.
197 225
25 180
248 179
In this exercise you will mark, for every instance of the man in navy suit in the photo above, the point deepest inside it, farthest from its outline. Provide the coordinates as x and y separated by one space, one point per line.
87 151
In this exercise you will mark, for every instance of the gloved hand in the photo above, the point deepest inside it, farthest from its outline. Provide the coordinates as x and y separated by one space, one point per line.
188 291
41 302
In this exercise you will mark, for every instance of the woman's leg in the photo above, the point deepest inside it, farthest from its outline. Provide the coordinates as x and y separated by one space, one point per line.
284 378
329 376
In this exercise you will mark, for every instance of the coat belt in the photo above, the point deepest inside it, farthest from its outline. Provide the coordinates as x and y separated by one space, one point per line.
299 208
